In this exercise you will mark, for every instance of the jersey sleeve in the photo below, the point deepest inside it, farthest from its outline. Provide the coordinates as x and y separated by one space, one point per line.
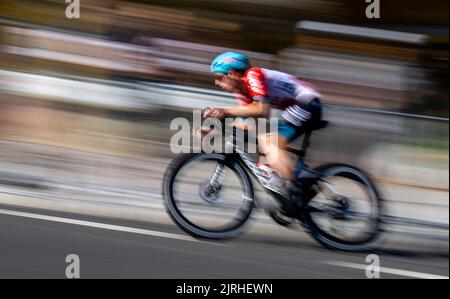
255 80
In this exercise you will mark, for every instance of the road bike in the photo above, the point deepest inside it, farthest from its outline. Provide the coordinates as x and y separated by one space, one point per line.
212 195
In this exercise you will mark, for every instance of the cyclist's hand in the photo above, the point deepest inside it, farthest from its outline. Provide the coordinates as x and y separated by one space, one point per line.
215 113
208 112
205 112
200 132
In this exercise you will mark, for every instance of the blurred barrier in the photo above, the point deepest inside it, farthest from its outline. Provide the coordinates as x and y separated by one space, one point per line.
411 147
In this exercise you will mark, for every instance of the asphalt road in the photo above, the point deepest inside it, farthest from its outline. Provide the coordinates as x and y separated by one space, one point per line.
85 189
35 244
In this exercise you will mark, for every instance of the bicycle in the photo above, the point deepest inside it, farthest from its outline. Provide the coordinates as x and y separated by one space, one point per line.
324 203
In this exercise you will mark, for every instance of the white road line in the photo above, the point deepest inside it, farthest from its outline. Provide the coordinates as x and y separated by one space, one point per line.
387 270
100 225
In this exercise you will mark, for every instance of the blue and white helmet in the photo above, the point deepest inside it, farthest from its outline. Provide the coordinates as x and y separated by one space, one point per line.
230 61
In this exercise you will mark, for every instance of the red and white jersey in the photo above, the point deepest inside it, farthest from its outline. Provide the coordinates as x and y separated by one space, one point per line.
279 89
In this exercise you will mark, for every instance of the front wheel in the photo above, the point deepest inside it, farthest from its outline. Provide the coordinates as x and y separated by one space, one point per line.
345 214
208 195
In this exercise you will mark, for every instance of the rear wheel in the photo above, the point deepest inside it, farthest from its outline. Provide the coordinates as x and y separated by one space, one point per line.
345 213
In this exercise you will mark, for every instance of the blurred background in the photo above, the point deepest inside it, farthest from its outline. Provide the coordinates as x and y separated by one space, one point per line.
86 103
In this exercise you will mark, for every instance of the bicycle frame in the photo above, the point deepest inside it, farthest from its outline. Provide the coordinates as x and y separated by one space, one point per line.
272 182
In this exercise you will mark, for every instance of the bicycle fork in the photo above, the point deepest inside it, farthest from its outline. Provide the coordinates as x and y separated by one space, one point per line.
216 180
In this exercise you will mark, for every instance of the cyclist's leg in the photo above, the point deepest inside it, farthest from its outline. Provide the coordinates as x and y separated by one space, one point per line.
296 120
273 147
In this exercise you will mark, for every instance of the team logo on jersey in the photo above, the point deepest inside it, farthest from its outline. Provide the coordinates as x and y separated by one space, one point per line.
255 82
287 87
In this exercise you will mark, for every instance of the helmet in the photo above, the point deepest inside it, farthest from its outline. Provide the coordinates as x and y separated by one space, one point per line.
230 61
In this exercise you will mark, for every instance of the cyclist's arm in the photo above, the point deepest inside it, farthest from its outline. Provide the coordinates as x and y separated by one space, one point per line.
255 109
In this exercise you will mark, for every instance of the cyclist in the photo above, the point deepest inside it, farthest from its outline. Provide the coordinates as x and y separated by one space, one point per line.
257 90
